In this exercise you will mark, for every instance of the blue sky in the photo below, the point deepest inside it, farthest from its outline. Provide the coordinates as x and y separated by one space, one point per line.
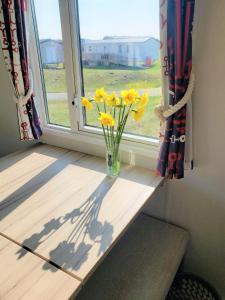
99 18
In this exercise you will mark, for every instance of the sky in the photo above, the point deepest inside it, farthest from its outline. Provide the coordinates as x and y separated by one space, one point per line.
99 18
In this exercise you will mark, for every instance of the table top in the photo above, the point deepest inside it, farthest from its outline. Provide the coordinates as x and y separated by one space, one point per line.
31 277
61 205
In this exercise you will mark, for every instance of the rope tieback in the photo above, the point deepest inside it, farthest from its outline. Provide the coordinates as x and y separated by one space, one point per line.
163 113
22 99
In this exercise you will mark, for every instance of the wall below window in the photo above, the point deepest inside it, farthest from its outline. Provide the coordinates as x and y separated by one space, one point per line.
197 202
9 133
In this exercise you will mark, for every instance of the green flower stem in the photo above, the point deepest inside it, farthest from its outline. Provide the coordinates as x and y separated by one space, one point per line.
124 109
113 137
109 136
106 142
114 113
119 116
107 128
122 128
119 123
105 136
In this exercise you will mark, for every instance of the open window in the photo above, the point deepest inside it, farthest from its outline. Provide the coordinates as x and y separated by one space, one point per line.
52 61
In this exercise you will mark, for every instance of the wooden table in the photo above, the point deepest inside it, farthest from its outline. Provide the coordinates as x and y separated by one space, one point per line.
30 277
60 206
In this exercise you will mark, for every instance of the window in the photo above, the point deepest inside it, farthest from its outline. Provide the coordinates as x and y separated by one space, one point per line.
52 61
78 56
123 69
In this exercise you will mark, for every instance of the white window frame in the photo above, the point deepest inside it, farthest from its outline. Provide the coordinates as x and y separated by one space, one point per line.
138 150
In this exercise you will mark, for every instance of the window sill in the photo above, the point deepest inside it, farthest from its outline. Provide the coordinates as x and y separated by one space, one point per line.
133 153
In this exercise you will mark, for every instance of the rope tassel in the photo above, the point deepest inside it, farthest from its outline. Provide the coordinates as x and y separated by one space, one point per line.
163 113
22 99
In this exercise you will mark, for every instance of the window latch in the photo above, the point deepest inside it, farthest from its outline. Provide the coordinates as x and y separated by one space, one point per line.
75 102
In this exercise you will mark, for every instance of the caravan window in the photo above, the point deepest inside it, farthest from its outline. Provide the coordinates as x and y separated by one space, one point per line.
122 69
95 44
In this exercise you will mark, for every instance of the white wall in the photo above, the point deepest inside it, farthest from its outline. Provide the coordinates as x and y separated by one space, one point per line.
9 134
198 201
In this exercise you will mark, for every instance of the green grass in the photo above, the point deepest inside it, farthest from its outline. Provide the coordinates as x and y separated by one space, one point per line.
148 126
55 81
59 112
115 78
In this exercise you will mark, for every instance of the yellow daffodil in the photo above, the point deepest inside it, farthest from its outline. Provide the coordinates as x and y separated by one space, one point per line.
112 100
86 103
129 96
100 95
106 119
138 113
144 100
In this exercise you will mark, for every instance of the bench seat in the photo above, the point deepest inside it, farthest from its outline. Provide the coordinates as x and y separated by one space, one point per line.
141 266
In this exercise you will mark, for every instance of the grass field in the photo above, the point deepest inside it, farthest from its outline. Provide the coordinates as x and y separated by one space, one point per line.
114 79
59 112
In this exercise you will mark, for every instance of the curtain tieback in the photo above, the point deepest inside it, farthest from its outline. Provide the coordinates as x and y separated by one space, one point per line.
22 99
163 113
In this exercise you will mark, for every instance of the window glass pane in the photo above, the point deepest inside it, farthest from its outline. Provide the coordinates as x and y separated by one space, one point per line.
120 50
52 60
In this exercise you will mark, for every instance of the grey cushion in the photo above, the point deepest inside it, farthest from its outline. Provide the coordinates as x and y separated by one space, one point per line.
141 266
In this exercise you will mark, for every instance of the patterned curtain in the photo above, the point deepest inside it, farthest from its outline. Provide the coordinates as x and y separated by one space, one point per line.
176 17
14 44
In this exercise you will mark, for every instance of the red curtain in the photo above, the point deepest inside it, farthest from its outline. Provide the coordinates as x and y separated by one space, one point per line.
14 43
178 22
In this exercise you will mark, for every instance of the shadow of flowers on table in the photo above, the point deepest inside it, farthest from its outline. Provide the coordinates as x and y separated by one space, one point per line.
73 250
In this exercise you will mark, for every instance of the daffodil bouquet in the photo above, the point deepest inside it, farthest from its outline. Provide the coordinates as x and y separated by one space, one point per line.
113 113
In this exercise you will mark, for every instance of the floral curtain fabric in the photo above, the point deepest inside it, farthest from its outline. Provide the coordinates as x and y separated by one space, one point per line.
176 17
14 43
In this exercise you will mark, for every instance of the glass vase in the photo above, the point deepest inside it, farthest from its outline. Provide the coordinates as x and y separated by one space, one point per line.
113 162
